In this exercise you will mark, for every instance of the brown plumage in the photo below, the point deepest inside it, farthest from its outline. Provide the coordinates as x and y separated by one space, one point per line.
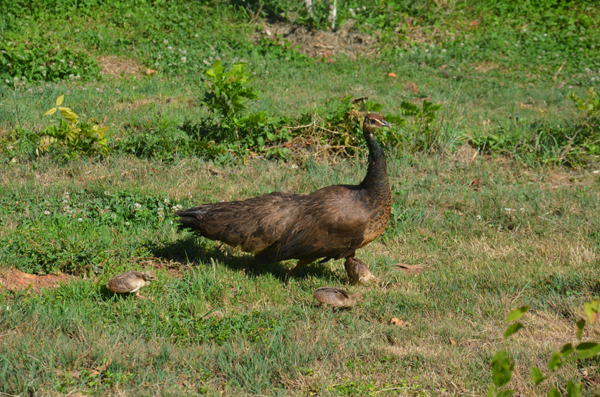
358 272
331 223
336 297
130 282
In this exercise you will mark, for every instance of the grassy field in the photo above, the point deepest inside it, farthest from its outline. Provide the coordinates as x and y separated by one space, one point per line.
493 209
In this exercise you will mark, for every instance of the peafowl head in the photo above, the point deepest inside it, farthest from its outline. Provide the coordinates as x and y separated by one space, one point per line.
149 276
372 122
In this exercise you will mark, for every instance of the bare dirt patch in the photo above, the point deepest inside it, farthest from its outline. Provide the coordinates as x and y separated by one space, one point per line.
15 280
321 43
119 67
485 67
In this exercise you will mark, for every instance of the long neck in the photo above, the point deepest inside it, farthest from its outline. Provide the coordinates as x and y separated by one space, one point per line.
376 177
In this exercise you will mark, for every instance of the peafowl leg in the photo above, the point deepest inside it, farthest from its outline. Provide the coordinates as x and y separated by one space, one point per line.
294 272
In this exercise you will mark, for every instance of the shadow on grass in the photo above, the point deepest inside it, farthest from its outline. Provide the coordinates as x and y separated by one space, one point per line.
202 252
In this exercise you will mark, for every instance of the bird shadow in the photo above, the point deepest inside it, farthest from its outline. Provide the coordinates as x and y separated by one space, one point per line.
198 251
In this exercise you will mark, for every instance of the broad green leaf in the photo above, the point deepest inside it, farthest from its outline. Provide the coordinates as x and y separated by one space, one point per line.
554 392
49 112
512 329
491 391
591 310
536 376
573 389
516 314
555 361
588 349
580 327
501 369
60 100
567 349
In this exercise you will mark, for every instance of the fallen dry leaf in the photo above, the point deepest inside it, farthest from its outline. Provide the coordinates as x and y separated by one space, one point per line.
394 75
525 105
475 184
150 71
397 322
410 269
474 24
453 343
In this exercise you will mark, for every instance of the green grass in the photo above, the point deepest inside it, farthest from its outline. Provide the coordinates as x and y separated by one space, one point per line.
545 256
494 229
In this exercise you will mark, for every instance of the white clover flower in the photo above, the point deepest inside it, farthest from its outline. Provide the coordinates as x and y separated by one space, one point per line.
117 91
46 212
183 59
113 216
167 201
165 41
443 50
80 220
196 35
127 223
137 205
189 195
479 217
462 44
170 222
106 193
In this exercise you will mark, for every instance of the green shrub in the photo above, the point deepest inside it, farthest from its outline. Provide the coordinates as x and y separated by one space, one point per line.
72 138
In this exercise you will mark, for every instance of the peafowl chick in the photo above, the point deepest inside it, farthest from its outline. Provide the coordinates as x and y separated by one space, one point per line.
331 223
358 272
336 297
130 282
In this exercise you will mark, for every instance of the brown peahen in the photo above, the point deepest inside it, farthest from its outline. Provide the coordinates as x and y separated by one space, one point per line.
331 223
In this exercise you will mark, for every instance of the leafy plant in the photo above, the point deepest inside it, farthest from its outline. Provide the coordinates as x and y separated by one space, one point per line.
72 138
425 135
502 366
226 91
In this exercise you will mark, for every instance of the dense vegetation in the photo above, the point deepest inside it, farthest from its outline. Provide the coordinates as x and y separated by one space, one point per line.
113 114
